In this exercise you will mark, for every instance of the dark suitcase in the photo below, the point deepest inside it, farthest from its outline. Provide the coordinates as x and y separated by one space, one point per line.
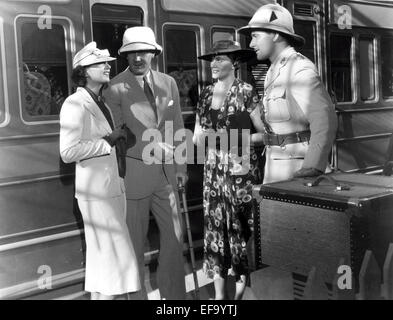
342 216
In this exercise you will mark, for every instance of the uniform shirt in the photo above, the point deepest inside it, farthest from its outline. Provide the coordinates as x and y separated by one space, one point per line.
295 100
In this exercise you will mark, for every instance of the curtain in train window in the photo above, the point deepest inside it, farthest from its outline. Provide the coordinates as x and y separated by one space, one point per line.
366 68
387 67
44 79
340 64
181 62
109 23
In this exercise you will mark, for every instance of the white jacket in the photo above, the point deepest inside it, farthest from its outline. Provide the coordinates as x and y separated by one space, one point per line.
82 126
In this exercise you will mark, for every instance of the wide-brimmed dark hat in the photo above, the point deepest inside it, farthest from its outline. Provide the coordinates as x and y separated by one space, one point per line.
228 47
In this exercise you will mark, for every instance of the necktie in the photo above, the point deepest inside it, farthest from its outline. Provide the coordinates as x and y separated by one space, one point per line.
150 96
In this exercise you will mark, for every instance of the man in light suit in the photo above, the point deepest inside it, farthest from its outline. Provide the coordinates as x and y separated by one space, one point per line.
148 100
299 115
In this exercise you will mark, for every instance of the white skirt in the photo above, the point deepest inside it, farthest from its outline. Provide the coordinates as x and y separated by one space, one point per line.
111 265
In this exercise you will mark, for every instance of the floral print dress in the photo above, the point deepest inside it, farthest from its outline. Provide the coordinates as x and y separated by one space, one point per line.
228 181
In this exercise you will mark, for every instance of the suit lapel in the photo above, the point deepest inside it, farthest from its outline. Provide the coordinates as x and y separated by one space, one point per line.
140 106
161 94
95 111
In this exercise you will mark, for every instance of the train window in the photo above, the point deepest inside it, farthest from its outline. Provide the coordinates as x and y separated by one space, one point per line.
307 30
43 63
181 62
341 79
387 67
222 33
2 77
109 23
366 68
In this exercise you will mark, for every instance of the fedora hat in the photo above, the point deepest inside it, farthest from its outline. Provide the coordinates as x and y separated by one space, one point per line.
89 55
228 47
140 39
273 17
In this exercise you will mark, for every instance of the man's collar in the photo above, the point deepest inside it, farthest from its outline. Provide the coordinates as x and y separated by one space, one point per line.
286 53
140 78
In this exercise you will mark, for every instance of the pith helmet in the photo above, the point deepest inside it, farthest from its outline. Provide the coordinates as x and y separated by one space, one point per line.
228 47
89 55
140 39
273 17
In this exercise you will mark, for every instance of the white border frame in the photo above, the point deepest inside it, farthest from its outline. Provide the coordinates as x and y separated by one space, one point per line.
4 69
69 36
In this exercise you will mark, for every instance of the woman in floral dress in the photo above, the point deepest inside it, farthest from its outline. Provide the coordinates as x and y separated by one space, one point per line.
230 170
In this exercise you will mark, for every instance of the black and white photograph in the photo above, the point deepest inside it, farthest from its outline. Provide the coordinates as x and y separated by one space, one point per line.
187 151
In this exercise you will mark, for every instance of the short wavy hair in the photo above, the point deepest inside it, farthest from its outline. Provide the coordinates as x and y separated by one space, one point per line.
79 77
234 59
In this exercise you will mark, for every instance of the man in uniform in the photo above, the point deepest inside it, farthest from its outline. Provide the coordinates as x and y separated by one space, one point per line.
148 101
299 115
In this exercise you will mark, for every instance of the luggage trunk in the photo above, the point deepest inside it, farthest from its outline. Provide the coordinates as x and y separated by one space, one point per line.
340 217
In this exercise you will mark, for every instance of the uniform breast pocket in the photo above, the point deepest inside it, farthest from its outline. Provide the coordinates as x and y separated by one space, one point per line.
276 105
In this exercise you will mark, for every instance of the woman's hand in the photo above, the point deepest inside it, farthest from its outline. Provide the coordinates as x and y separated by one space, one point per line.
116 134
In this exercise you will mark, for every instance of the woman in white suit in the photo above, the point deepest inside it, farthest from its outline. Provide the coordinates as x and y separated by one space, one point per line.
87 138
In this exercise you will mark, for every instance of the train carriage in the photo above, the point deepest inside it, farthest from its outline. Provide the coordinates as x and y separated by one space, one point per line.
41 231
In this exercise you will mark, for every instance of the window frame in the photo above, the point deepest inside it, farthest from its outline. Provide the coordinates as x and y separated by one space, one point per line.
111 20
200 47
353 66
4 87
374 62
223 28
316 39
143 4
69 36
377 34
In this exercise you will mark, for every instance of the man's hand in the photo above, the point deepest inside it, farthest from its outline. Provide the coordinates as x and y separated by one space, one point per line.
181 177
307 172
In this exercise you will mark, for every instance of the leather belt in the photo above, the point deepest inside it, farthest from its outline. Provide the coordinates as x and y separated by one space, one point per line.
272 139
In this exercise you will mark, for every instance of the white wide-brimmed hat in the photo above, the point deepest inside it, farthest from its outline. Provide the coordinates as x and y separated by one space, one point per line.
90 54
273 17
140 39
